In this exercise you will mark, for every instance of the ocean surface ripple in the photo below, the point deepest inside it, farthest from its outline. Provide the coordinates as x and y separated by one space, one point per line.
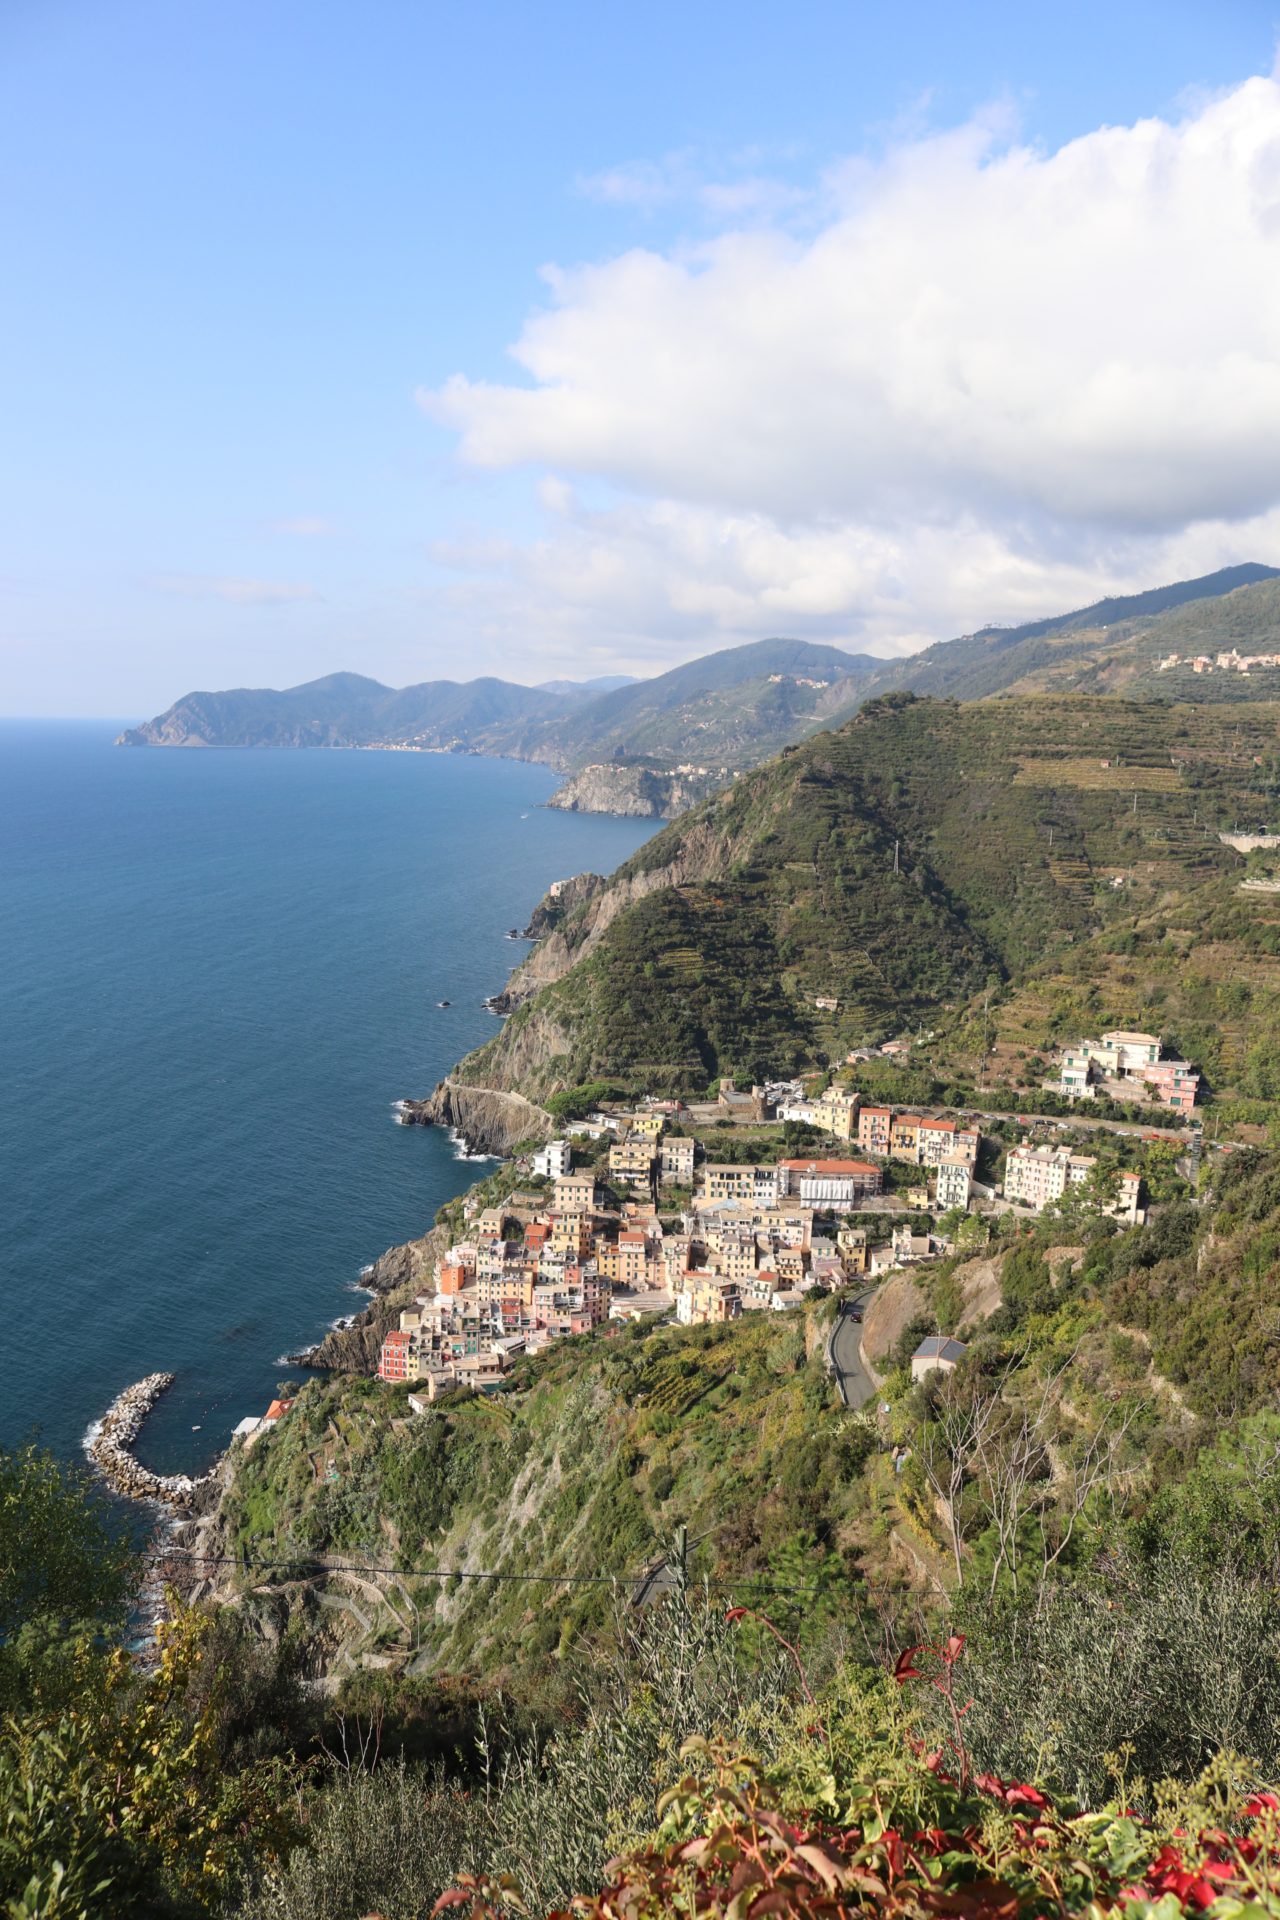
217 971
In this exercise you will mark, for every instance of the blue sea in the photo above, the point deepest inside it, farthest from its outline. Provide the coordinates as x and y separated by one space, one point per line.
218 972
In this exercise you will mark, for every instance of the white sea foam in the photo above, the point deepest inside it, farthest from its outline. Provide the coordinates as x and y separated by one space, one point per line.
461 1152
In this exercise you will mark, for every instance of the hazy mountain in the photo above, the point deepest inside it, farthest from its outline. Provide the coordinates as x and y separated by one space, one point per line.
736 708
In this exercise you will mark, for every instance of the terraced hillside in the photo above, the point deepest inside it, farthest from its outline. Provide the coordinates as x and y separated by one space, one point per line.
583 1466
1200 966
896 867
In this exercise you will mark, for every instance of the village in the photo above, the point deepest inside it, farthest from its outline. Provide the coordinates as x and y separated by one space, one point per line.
1231 661
651 1212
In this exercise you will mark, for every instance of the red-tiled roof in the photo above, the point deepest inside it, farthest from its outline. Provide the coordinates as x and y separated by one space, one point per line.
829 1166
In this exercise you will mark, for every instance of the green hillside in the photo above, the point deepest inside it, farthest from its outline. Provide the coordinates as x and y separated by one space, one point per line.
583 1466
1021 828
733 708
1111 647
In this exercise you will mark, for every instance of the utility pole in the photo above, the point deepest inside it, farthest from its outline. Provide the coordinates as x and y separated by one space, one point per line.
895 856
681 1566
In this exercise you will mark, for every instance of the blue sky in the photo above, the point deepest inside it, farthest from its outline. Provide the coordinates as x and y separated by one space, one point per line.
265 265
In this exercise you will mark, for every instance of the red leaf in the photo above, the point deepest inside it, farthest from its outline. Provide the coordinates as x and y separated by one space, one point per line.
980 1900
904 1670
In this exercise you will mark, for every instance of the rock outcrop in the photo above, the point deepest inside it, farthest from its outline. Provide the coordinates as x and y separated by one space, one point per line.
485 1119
571 931
636 792
110 1448
562 898
395 1278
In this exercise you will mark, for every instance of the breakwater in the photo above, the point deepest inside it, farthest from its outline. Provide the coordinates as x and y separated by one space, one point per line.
111 1442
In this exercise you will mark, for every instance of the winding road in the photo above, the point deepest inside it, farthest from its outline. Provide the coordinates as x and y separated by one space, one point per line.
851 1377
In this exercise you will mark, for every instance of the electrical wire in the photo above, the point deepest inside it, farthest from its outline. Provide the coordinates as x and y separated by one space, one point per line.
164 1554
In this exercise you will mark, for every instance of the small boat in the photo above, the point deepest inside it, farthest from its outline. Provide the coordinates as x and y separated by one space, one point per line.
524 816
444 1003
195 1429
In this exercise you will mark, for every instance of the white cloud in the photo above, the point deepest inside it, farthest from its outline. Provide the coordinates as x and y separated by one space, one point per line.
235 589
988 381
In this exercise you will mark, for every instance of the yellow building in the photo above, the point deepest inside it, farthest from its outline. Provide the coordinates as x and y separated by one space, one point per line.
633 1162
575 1193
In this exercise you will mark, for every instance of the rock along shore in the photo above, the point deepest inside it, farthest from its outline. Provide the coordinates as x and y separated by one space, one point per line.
110 1448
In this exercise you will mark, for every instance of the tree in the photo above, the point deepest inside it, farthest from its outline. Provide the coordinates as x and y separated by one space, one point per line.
59 1558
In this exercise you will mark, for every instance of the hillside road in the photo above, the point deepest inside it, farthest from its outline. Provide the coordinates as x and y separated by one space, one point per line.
851 1377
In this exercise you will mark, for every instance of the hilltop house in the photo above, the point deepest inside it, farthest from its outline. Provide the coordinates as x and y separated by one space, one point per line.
554 1160
1124 1064
955 1181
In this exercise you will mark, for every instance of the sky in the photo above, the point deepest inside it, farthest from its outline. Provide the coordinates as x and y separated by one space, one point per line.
433 341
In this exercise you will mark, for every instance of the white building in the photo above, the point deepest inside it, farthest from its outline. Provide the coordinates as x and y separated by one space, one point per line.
828 1183
1037 1176
677 1161
954 1183
553 1160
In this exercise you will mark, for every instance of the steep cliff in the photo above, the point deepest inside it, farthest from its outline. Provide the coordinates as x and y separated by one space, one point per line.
486 1120
871 879
572 922
638 792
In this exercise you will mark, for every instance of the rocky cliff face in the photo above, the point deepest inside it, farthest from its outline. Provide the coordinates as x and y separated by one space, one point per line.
636 792
395 1277
573 930
561 900
485 1119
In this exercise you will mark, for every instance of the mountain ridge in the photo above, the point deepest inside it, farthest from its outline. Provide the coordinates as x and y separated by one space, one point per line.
873 878
696 726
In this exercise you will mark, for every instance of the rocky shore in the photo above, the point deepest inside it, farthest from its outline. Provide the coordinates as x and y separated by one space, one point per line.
640 793
485 1119
110 1448
394 1278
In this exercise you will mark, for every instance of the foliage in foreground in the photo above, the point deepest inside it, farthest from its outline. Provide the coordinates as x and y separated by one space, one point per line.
856 1816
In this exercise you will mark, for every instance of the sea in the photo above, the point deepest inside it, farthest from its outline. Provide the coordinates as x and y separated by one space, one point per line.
219 971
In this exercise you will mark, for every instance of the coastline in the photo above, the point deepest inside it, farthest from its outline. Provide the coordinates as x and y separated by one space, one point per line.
109 1444
482 1127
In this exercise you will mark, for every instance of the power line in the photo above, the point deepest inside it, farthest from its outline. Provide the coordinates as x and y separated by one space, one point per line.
161 1554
